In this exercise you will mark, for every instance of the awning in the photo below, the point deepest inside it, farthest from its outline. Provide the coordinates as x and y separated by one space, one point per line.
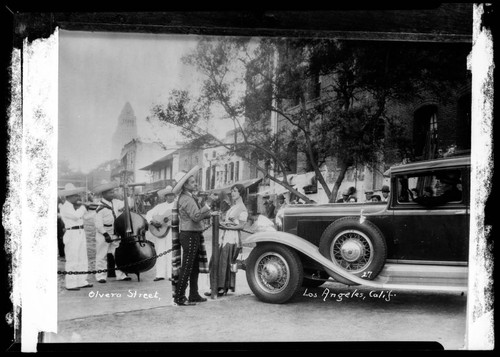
246 183
297 181
276 190
160 161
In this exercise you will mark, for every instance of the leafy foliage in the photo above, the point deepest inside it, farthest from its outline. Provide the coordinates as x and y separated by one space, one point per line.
344 116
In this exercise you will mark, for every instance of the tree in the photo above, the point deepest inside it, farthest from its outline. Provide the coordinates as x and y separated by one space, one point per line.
345 118
102 172
368 76
65 174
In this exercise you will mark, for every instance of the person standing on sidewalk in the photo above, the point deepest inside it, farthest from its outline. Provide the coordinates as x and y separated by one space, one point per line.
162 210
75 241
194 257
269 207
106 240
61 229
230 245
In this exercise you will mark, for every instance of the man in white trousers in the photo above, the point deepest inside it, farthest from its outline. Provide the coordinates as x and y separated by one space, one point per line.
72 212
105 238
158 217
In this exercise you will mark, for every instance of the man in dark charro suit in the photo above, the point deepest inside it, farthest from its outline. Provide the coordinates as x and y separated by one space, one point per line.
191 216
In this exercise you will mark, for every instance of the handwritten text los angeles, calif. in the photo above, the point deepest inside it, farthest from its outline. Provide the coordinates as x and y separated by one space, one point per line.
327 294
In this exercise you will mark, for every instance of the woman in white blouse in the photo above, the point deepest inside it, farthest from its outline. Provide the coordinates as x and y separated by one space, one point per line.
230 242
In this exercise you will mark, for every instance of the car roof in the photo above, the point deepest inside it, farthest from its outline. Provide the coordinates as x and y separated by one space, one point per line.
443 163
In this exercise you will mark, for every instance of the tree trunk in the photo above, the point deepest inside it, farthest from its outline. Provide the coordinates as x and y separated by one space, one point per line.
338 182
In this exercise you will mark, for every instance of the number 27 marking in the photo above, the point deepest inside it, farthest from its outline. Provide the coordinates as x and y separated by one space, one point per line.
366 274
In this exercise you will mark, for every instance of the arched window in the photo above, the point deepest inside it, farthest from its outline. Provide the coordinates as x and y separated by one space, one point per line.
207 178
231 171
425 132
237 172
199 177
464 122
212 181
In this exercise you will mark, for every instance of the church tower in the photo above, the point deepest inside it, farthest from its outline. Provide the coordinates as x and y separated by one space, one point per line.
126 130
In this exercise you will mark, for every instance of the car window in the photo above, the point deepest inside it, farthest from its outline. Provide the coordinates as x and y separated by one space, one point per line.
430 189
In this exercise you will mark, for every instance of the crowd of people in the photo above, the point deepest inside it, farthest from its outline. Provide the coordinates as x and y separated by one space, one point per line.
188 256
72 240
349 195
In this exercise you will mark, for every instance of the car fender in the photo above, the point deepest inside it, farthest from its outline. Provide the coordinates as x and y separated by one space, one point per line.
312 252
304 247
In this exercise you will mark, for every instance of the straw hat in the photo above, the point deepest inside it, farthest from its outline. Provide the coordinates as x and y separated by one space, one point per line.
182 178
70 189
106 187
179 175
166 191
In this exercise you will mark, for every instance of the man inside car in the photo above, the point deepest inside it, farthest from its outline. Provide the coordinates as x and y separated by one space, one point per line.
448 184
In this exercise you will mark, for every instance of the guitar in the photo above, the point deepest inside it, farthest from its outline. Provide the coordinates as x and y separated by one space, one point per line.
162 231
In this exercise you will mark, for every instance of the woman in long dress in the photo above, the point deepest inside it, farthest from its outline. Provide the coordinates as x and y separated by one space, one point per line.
230 243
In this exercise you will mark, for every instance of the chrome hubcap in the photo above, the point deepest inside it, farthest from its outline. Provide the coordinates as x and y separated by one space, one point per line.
351 250
272 273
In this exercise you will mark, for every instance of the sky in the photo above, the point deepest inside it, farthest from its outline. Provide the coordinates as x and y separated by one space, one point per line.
99 72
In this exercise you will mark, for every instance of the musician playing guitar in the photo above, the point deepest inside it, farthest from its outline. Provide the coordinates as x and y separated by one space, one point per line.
159 231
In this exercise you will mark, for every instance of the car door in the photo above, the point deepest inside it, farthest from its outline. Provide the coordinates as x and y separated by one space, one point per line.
437 233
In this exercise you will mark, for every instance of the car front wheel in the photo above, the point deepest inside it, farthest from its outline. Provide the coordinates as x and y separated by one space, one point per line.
274 272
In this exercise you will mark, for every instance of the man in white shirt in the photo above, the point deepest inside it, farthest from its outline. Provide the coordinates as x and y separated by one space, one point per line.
105 237
159 217
72 212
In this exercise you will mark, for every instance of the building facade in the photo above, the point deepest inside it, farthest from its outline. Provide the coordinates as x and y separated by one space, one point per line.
134 156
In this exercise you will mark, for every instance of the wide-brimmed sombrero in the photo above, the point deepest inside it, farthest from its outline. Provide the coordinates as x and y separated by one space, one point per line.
181 180
106 187
70 190
165 191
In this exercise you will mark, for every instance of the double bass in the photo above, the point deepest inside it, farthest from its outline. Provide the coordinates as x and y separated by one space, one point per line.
134 249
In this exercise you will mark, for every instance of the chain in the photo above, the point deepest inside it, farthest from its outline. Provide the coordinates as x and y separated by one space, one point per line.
117 268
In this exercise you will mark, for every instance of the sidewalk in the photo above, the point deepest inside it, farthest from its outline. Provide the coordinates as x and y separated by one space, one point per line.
124 296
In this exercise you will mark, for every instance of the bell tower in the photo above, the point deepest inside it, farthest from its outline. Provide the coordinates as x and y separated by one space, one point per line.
126 130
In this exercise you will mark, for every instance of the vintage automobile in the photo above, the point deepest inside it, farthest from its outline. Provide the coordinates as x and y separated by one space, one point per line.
406 243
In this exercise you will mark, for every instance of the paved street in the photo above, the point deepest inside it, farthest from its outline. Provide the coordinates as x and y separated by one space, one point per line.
142 312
